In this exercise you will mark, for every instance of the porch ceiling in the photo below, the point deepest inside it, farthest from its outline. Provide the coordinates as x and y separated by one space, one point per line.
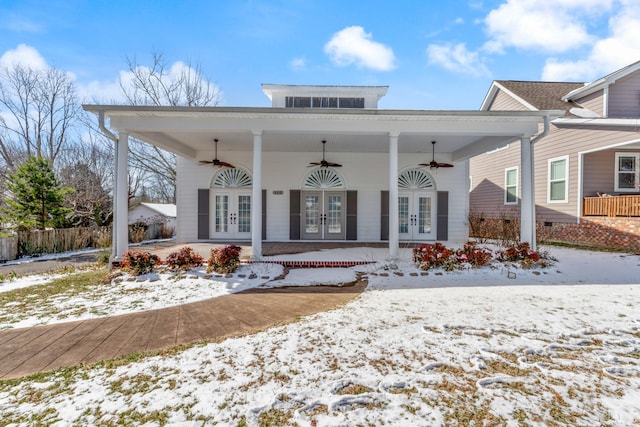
190 131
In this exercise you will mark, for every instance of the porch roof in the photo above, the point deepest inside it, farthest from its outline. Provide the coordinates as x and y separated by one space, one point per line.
189 131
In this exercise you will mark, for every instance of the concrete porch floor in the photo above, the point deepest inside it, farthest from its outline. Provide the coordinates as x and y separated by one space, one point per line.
162 249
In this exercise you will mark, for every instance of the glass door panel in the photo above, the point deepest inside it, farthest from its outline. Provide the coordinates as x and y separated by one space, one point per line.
403 214
244 214
221 213
312 214
424 215
334 214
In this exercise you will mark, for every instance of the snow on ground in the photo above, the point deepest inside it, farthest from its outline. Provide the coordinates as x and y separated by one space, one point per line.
132 294
559 346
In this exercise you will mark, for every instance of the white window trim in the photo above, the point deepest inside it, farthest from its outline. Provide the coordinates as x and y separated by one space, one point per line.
637 173
506 171
566 180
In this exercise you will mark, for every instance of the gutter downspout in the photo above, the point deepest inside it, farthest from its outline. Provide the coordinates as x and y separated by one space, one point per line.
114 234
532 196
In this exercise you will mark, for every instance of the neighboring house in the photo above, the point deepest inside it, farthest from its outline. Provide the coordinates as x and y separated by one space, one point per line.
374 187
587 169
152 213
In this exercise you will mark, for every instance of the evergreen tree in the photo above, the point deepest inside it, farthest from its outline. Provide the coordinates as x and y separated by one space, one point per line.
36 199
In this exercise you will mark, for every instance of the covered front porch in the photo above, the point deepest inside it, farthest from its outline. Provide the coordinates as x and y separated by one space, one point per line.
274 147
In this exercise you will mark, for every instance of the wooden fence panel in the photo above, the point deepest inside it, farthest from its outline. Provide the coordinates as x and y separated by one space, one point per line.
8 248
62 240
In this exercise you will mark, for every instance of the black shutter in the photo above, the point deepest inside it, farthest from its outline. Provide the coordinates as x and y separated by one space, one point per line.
203 213
294 214
384 215
352 215
264 214
442 215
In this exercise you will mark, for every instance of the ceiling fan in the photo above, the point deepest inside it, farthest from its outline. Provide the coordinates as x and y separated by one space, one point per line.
433 163
324 163
215 161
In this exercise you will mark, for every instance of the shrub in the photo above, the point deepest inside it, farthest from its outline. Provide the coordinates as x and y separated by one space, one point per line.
224 260
137 230
138 262
184 259
434 256
522 253
472 254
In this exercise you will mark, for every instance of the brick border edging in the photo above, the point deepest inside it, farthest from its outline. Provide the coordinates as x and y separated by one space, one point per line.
313 264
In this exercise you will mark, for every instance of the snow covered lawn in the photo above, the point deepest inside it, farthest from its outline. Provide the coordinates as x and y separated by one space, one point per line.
559 346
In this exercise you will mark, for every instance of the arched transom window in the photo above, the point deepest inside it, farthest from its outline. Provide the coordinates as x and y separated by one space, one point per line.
416 179
323 178
232 178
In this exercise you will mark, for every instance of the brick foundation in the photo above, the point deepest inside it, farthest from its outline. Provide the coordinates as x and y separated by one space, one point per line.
607 232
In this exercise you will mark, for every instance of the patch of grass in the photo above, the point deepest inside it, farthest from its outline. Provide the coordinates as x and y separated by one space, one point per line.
354 389
274 417
69 285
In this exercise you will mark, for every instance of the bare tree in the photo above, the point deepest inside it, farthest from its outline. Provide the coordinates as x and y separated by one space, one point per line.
87 168
39 111
181 84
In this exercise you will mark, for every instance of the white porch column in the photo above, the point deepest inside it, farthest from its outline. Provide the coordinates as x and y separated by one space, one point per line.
394 231
256 197
527 199
121 199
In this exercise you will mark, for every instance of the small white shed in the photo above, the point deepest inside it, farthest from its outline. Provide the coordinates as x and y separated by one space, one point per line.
151 213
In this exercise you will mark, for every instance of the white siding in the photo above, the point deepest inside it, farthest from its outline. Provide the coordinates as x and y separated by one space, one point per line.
366 173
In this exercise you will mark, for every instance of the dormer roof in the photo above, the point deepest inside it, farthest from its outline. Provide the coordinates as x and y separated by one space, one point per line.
589 88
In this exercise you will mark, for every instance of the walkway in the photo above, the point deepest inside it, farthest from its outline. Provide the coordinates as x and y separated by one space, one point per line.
28 351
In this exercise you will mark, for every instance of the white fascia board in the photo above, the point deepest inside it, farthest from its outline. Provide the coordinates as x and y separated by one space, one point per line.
601 83
597 122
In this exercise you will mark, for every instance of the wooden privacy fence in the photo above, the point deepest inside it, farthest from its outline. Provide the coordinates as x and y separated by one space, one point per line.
8 248
612 206
62 240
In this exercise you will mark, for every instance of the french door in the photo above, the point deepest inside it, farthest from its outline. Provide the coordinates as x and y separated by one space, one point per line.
231 217
323 215
416 215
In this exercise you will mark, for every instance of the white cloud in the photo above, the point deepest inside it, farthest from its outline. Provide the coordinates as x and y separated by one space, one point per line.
456 58
25 56
353 46
548 26
298 64
620 48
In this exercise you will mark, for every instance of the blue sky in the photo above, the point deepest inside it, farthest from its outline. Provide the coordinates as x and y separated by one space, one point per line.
431 54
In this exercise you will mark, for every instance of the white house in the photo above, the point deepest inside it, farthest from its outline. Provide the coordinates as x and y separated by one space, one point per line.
377 184
154 212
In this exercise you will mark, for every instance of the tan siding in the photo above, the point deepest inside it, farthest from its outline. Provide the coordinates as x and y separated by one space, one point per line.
593 102
487 170
571 140
503 101
600 176
624 97
487 192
